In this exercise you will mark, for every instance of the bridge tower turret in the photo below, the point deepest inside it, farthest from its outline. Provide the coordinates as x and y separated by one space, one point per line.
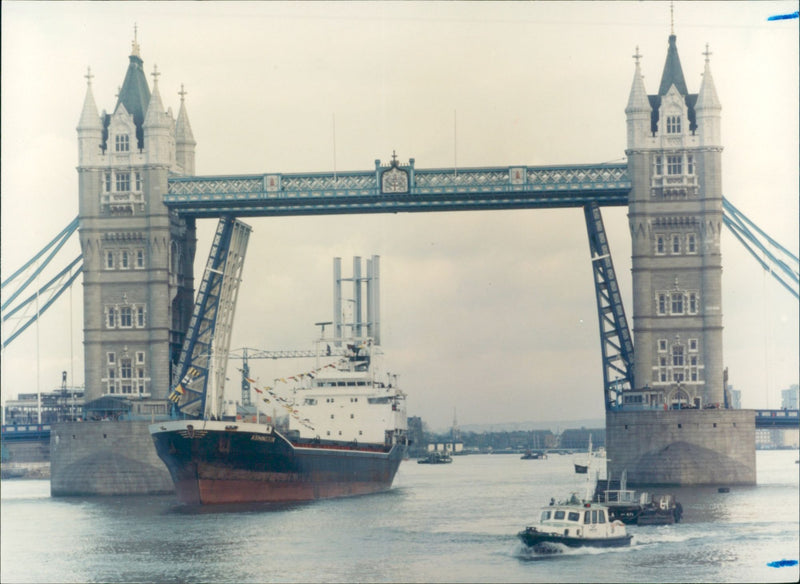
675 217
673 427
138 257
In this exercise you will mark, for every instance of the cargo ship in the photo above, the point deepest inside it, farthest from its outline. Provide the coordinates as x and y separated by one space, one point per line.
344 434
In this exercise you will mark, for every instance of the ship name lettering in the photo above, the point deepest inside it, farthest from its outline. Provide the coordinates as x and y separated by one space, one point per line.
260 438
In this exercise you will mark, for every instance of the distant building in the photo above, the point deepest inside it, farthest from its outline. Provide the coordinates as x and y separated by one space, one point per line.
416 437
579 439
736 398
789 397
61 405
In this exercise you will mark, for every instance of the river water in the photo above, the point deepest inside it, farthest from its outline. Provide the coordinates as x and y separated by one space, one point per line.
439 523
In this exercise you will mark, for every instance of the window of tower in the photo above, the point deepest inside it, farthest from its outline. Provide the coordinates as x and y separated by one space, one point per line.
109 260
662 345
689 164
677 303
124 259
661 245
122 143
673 124
125 317
676 244
691 243
692 299
123 182
693 368
111 319
138 177
125 369
677 356
659 166
140 318
662 369
112 382
674 164
692 345
139 258
662 304
107 182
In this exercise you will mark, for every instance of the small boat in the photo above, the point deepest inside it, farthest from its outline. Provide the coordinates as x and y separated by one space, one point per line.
436 458
531 455
634 507
584 468
661 510
575 523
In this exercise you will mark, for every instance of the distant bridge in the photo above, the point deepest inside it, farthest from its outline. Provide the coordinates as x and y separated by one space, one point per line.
777 419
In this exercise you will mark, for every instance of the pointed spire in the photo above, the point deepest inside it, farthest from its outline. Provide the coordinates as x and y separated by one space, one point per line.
134 93
135 43
183 129
637 100
673 73
155 109
707 97
90 119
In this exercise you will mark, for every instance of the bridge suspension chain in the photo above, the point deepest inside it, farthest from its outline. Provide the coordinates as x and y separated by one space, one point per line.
782 264
28 310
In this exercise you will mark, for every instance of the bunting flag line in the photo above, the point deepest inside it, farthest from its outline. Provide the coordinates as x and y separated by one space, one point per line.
289 406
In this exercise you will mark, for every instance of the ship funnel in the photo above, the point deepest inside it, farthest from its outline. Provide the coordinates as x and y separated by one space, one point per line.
357 320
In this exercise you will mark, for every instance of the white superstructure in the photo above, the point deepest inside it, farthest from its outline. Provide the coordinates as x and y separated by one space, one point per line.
350 400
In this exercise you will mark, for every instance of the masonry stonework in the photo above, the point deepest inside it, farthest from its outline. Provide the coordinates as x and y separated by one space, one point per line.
105 458
682 447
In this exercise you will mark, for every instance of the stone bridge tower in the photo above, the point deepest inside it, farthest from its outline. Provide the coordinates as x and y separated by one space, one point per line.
138 257
674 426
675 214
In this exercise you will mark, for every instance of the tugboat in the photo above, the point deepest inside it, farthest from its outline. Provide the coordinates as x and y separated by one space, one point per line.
575 523
436 458
637 508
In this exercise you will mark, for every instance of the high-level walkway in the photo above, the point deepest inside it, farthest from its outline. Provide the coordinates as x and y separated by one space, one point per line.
396 188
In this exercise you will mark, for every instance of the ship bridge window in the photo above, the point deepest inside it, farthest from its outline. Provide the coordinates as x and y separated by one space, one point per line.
574 516
310 401
341 384
558 514
545 515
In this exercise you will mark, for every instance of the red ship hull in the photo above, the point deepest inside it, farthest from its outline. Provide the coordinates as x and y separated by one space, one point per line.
215 462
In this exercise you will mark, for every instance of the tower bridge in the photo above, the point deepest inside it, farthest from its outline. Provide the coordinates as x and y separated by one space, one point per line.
668 420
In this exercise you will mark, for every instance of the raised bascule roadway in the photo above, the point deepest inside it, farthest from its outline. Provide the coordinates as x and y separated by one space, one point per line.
148 338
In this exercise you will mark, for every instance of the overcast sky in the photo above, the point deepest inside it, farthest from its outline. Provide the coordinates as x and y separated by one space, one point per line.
490 314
